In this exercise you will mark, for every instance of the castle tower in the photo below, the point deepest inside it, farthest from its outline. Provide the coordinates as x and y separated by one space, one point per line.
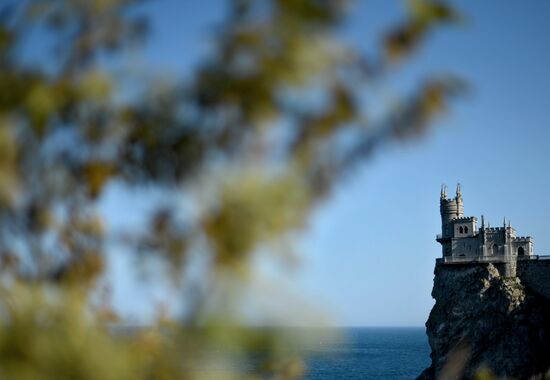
450 208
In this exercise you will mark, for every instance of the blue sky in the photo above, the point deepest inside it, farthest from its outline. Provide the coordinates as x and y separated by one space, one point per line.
371 249
369 252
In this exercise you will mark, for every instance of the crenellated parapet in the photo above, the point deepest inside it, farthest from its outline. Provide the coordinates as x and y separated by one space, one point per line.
465 219
523 238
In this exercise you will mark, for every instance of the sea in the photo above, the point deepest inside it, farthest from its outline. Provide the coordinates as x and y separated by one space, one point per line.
369 353
356 353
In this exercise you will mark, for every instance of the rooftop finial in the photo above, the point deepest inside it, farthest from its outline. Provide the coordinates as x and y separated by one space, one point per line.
443 191
458 191
504 222
482 221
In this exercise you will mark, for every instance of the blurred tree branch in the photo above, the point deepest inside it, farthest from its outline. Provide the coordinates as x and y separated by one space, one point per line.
236 140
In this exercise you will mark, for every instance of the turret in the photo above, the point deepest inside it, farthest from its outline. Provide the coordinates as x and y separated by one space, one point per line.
459 202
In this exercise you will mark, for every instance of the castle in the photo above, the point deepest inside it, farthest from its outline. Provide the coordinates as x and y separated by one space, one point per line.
462 241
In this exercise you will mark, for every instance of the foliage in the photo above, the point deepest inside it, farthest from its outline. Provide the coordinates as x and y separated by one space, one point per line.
263 132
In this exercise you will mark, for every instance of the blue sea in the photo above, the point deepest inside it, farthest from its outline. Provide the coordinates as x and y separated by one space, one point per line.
370 353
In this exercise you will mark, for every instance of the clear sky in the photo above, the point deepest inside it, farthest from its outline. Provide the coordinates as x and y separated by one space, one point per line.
369 251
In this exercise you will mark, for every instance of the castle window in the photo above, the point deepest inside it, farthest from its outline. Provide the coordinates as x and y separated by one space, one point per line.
495 249
461 230
466 229
521 251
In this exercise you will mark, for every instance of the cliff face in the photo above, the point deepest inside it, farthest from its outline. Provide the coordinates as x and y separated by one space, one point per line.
482 320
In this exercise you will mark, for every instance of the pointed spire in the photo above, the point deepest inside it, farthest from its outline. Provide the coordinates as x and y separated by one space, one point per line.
458 191
482 221
504 222
443 191
509 223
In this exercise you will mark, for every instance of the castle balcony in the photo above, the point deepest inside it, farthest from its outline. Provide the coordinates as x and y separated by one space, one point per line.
440 239
487 259
470 260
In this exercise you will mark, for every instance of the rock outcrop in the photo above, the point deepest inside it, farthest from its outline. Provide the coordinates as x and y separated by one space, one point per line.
483 321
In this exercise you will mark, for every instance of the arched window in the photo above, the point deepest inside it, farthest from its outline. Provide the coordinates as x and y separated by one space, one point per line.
495 249
466 229
461 230
521 251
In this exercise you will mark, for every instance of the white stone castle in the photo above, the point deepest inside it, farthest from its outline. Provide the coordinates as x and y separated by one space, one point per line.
463 242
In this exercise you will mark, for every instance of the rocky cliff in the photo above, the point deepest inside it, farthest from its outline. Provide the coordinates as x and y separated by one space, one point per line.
483 321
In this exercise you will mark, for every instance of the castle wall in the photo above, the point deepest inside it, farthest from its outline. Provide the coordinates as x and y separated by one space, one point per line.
446 249
526 245
495 236
468 225
467 246
535 274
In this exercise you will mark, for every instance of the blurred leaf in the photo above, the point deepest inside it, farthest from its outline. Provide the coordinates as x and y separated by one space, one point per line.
95 86
96 175
253 209
8 165
425 15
